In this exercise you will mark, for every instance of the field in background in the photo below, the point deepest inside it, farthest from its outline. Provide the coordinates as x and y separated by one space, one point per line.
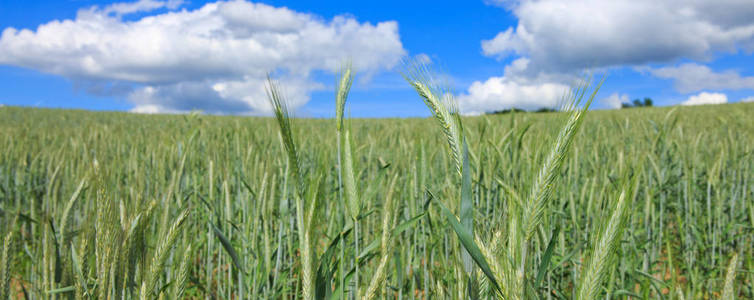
224 179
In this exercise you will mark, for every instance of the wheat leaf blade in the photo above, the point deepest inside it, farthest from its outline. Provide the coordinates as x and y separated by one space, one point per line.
469 245
228 248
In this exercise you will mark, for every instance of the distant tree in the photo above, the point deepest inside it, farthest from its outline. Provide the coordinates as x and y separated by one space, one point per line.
545 110
647 102
517 110
505 111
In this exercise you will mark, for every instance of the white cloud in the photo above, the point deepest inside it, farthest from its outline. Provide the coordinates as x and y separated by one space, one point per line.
514 90
615 100
498 93
748 99
556 39
562 36
692 77
706 98
213 58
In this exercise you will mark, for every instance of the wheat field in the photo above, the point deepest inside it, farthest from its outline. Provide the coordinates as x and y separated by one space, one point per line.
643 203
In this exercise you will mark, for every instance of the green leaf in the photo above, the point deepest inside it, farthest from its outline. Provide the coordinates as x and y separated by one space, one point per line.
228 247
466 206
405 225
369 248
339 289
626 293
67 289
77 268
58 261
328 263
468 243
397 230
546 258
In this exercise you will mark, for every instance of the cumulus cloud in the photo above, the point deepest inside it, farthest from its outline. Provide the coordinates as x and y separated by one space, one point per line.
554 40
214 58
512 90
615 100
748 99
706 98
498 93
692 77
561 36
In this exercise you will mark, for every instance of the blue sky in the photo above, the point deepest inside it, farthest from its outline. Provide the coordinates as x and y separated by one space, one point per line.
173 56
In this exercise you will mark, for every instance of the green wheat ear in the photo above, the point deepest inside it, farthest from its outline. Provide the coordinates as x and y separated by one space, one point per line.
283 118
161 255
346 171
439 99
344 86
604 248
282 115
729 292
5 262
184 269
521 228
542 188
378 278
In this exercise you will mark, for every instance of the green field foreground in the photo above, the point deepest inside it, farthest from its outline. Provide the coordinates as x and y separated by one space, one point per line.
110 205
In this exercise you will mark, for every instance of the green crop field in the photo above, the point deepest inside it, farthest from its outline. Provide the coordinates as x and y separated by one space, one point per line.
641 203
